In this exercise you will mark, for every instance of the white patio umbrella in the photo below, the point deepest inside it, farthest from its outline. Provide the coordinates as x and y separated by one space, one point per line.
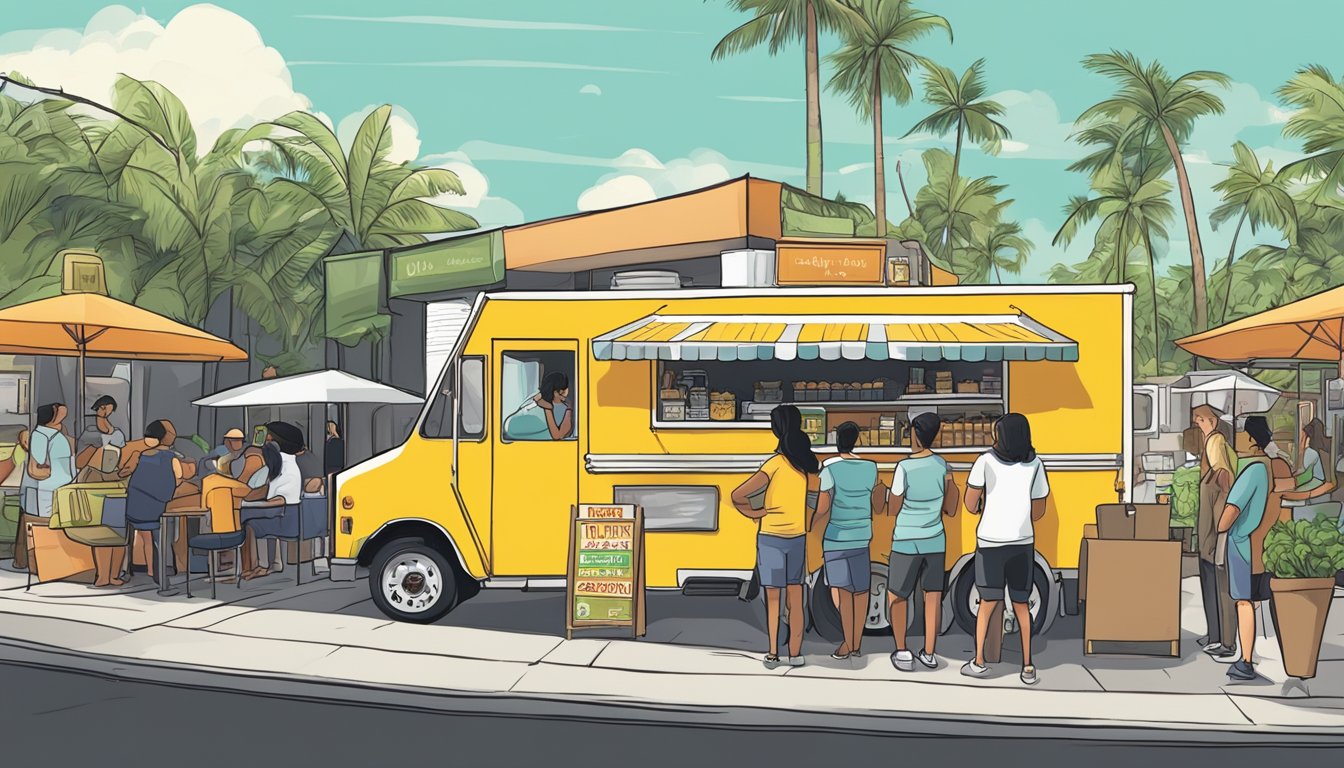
1234 393
313 388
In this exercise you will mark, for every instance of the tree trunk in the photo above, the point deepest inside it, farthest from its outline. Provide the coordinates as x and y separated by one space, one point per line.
951 196
1231 253
814 163
1157 328
910 209
879 175
1197 277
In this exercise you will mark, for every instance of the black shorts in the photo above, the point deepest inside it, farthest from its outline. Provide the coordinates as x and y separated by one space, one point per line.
1000 568
905 571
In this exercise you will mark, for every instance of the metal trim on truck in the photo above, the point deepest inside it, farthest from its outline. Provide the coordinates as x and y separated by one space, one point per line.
614 463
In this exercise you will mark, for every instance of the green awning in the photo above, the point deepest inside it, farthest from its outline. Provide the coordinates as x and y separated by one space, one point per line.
353 297
468 261
806 215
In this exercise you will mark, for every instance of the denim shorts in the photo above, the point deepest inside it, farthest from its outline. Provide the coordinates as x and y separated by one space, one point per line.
780 561
848 569
1239 581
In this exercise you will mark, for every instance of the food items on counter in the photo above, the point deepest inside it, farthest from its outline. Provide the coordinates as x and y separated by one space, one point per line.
814 424
991 384
722 406
673 410
942 382
768 392
968 387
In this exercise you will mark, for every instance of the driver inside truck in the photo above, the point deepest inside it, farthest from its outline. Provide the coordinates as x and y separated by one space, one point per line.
544 416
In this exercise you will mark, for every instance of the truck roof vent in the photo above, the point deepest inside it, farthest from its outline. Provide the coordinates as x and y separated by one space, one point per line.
645 280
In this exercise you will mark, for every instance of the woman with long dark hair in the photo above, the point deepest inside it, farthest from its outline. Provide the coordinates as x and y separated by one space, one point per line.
781 544
544 416
1010 480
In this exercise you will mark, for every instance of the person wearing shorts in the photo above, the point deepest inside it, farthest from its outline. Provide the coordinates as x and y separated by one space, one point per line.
1011 482
781 485
922 493
1243 514
848 495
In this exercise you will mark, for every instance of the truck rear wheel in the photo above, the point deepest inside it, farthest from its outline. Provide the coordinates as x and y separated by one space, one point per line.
411 580
966 601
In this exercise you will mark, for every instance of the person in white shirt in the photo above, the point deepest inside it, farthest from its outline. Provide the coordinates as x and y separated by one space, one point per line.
1011 481
283 487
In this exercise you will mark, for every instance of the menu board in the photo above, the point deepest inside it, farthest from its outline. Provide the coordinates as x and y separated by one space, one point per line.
605 587
810 264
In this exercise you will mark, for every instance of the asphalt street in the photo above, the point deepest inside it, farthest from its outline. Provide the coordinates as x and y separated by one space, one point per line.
58 717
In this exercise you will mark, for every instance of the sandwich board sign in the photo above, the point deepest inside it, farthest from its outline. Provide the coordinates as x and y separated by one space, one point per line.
605 584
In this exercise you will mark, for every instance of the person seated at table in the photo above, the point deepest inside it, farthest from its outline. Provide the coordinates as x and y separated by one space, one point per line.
234 458
283 486
100 444
153 482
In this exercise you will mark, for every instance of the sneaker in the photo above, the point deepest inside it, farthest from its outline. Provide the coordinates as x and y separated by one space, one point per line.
797 661
928 659
903 660
1242 670
771 661
1029 675
1220 651
971 669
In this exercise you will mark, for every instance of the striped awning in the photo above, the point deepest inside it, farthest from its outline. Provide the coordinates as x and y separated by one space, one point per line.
973 338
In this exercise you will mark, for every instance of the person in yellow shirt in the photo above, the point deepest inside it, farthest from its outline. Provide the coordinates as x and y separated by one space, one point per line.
781 544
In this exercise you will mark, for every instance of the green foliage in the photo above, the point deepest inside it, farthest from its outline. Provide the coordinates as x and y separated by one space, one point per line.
1184 497
875 58
1304 549
178 228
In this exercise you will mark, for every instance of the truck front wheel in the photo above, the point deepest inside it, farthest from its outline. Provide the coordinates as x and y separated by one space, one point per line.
412 581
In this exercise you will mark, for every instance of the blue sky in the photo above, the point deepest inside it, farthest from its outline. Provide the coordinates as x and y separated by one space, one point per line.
545 108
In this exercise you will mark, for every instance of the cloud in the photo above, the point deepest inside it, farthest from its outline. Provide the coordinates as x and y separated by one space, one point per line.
1038 131
214 60
854 168
615 191
591 89
473 23
478 64
405 132
1243 108
643 177
489 211
635 157
762 99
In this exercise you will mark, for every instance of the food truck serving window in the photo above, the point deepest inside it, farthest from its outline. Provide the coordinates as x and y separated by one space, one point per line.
879 371
881 397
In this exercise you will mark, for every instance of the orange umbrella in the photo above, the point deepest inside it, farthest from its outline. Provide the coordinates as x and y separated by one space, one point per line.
92 325
1307 329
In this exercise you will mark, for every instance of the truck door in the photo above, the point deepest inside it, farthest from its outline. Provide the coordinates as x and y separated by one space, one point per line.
536 455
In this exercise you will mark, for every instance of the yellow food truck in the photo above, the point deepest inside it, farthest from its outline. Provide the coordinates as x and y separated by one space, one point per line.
663 400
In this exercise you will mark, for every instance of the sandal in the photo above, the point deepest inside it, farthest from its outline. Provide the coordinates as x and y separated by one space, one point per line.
771 660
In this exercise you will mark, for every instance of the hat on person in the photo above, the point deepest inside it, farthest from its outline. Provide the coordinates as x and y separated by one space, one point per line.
234 434
288 436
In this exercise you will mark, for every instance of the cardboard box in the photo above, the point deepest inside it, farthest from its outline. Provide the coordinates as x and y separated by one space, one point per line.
1141 522
1133 593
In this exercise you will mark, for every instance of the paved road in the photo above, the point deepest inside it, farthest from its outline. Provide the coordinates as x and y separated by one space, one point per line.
58 717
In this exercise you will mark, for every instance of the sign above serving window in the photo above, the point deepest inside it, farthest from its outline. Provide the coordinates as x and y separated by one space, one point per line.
848 263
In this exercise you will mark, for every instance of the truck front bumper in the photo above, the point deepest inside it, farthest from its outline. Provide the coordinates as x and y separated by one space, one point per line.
342 570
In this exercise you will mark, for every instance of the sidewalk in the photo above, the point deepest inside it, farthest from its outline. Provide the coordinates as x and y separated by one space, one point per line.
701 661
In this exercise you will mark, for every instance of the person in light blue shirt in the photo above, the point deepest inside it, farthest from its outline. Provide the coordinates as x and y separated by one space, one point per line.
922 493
1242 515
51 459
545 415
849 494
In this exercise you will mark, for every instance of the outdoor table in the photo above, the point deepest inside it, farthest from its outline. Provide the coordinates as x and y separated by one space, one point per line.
177 516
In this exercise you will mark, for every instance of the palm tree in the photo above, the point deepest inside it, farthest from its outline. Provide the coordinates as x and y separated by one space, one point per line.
997 245
1319 122
1155 102
954 204
961 108
875 62
778 23
1131 208
1251 193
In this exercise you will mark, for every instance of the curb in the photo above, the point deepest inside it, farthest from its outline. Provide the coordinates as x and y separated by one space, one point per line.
617 710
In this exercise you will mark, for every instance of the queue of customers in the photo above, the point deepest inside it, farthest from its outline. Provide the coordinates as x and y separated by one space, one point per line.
263 477
1007 488
1240 498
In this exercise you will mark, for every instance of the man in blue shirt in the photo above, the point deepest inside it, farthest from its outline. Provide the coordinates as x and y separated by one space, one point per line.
1243 514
